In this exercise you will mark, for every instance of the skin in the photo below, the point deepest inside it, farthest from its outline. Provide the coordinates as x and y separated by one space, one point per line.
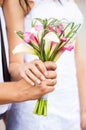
80 69
81 77
22 90
18 68
16 60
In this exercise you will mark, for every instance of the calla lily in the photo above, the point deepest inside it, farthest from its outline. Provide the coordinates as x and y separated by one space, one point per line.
53 45
60 52
30 37
39 35
51 36
27 36
61 26
38 27
68 48
47 48
54 29
63 39
25 48
59 31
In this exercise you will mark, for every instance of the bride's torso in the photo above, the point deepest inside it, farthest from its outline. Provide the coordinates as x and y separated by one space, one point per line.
52 8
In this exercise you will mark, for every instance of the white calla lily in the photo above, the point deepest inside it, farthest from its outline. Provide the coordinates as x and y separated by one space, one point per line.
47 47
51 36
39 35
23 48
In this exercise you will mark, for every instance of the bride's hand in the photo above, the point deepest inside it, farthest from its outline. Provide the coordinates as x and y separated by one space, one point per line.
25 91
33 72
36 71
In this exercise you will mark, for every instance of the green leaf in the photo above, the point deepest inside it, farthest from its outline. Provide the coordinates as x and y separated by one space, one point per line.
20 34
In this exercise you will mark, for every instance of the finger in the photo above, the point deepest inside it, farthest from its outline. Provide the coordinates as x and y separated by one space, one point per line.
49 89
51 82
41 67
51 75
32 77
40 92
24 76
50 65
37 73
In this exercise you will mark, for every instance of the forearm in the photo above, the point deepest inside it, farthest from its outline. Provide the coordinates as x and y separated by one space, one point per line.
81 78
8 93
22 91
19 91
82 93
10 9
82 87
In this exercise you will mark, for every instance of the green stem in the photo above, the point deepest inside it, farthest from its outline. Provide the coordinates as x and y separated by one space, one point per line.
45 107
36 107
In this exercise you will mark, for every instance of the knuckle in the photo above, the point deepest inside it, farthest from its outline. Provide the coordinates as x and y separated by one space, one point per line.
21 74
35 80
43 89
53 82
31 67
27 72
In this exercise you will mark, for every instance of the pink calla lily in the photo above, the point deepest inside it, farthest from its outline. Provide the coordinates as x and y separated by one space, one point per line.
30 37
27 36
38 27
68 48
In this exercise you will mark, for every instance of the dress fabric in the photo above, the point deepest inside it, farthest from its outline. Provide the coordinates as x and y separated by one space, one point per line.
63 103
3 108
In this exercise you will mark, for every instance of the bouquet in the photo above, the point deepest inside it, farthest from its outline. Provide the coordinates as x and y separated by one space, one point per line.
48 39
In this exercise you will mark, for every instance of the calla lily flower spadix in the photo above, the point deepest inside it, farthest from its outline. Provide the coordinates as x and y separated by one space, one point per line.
47 39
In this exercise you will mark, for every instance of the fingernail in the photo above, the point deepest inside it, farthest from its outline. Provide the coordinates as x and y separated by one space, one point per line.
42 77
45 73
38 81
32 84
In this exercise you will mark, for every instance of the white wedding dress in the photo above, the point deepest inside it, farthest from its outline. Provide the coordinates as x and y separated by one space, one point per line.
63 103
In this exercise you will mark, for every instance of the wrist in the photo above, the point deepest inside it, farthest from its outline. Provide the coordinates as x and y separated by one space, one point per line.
22 91
14 70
